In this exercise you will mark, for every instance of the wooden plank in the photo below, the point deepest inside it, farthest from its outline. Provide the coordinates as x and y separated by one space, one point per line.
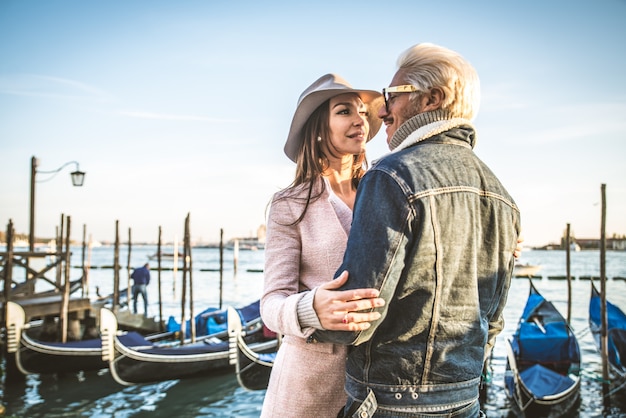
37 307
27 254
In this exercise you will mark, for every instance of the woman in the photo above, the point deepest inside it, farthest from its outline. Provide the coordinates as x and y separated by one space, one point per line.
307 231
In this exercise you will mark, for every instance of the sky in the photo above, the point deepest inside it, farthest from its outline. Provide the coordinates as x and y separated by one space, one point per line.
182 108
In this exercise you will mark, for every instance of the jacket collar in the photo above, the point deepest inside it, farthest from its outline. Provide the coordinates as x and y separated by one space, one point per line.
424 126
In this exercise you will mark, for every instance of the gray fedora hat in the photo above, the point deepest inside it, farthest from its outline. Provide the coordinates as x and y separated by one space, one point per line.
325 88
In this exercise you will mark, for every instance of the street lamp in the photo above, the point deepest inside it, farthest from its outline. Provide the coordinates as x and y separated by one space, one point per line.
78 178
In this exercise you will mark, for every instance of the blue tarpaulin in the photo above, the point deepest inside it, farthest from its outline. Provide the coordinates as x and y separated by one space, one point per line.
212 320
543 382
537 346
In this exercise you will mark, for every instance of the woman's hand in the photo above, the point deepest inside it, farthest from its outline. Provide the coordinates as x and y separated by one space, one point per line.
341 310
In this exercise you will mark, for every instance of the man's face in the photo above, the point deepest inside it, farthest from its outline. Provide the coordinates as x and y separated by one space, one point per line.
397 110
399 107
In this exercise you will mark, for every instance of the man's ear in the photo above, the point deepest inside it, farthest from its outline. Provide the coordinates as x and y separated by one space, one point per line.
436 97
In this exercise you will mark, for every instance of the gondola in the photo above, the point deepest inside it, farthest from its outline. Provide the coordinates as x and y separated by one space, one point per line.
252 366
167 256
542 373
526 270
616 336
34 355
133 360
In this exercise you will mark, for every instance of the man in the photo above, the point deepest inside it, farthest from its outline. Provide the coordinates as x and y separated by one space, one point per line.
435 231
141 279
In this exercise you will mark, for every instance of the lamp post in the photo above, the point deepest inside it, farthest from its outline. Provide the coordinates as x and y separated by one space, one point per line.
78 177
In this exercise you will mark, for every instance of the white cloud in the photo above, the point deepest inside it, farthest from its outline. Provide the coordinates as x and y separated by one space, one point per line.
165 116
51 87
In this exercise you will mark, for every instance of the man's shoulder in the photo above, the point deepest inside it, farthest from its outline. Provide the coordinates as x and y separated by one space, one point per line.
395 161
383 162
141 271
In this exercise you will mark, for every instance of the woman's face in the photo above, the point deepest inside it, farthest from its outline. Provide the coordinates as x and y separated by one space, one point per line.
349 127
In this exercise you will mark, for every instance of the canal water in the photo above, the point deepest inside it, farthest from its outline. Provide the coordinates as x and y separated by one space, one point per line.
96 394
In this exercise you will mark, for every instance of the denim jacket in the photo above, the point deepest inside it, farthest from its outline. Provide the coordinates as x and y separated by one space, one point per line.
435 231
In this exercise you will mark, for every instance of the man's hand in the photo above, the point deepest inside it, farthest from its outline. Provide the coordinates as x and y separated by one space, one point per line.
518 250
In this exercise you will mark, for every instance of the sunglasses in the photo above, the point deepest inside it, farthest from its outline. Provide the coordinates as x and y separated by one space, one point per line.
407 88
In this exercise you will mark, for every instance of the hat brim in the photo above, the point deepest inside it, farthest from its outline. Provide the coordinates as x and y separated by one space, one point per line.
372 99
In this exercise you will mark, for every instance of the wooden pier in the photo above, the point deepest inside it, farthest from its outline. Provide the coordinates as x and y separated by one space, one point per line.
40 306
59 304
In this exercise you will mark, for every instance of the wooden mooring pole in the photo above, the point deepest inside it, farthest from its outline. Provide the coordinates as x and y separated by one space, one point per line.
221 263
188 266
116 269
128 273
235 256
604 334
59 267
175 268
8 266
88 265
161 326
12 373
183 298
84 281
569 276
65 300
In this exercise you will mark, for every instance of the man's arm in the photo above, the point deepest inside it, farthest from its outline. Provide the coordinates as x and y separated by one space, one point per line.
375 253
496 321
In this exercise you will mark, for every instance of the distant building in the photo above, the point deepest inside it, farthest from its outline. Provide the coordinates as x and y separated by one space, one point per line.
577 244
249 243
616 244
260 233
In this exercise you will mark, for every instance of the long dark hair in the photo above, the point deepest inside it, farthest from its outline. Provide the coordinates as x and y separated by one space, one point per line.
312 160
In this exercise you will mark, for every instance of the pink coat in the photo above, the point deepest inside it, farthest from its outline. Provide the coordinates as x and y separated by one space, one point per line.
306 379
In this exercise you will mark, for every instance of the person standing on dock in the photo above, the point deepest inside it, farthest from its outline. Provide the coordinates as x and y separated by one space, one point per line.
141 280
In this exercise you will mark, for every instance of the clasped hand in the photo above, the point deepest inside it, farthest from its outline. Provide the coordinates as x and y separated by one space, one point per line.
346 310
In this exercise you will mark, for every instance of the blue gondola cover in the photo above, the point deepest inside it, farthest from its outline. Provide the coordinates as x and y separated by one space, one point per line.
554 345
544 382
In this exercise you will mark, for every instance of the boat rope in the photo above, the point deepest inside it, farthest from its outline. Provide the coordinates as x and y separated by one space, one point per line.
487 376
616 388
619 385
583 333
593 376
531 400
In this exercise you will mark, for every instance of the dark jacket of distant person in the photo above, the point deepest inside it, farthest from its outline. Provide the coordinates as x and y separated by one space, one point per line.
141 275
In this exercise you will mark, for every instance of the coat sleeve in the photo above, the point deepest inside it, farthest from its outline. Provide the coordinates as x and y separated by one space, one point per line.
496 319
376 250
281 290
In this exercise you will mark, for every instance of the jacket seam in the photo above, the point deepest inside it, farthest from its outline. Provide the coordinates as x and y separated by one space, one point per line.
456 189
438 283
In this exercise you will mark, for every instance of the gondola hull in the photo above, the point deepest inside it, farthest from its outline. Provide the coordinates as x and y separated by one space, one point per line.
252 366
616 336
39 357
133 360
542 374
136 365
35 357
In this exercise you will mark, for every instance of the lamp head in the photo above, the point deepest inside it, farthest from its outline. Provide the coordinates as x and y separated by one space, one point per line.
78 177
